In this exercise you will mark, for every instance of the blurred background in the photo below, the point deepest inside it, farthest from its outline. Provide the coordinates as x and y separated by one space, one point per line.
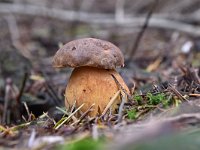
31 31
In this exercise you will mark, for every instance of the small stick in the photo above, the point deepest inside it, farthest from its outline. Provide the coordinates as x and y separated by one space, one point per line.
110 103
6 102
65 112
27 110
144 27
51 90
22 87
119 119
177 92
73 106
133 88
120 86
83 115
45 114
195 94
57 126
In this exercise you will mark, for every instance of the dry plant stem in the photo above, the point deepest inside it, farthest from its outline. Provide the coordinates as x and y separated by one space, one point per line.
46 115
83 115
73 106
6 102
65 112
51 90
59 125
6 131
195 94
143 112
53 94
176 92
120 114
133 88
58 101
23 118
22 87
195 75
15 128
110 103
191 74
20 126
2 128
27 110
121 87
144 27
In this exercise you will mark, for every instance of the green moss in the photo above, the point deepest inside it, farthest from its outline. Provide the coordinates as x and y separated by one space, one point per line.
157 99
132 114
137 98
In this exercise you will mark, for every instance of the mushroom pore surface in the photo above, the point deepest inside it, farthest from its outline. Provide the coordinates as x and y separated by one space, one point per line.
90 85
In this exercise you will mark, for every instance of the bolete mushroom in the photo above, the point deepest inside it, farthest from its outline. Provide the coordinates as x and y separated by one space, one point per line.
91 81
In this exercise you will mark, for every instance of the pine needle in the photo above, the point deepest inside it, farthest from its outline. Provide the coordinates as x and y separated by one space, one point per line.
63 120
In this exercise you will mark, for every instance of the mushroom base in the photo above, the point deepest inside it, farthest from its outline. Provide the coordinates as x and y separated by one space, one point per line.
91 85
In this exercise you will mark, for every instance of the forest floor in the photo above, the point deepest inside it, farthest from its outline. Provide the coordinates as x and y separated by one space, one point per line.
164 106
162 73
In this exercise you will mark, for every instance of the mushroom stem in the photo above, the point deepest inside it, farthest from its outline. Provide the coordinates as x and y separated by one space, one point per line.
90 85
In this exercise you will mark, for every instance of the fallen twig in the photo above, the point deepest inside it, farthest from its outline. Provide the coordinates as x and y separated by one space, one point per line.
121 87
51 90
110 103
144 27
120 113
65 112
83 115
22 87
195 94
6 102
103 19
176 92
59 124
27 110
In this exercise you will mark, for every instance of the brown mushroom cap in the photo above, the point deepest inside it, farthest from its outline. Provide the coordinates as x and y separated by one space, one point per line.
89 52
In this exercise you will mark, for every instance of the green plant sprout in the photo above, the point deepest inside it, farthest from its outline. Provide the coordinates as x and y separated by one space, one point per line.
137 98
157 99
132 114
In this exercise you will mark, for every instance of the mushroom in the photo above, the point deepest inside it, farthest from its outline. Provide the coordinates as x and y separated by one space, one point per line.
91 82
